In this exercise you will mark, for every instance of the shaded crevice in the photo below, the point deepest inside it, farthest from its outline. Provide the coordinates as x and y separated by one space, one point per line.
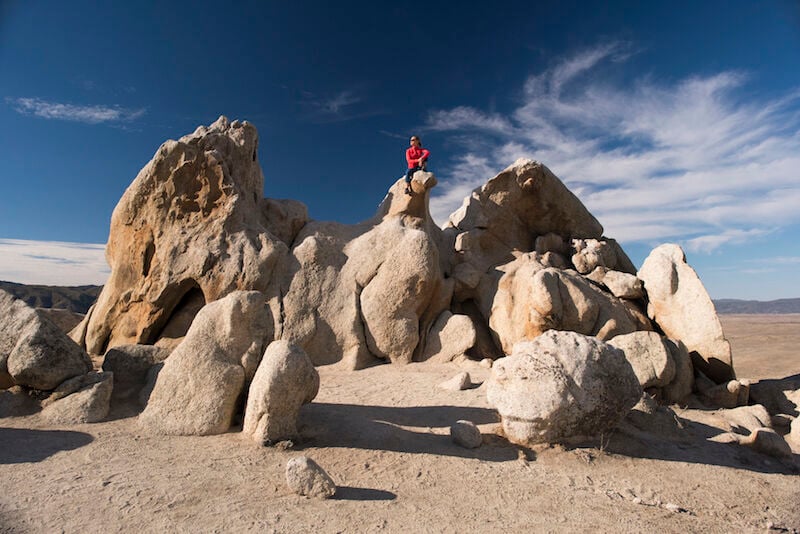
149 252
176 319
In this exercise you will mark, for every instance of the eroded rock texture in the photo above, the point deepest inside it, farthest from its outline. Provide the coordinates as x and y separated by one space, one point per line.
191 228
561 386
354 293
678 302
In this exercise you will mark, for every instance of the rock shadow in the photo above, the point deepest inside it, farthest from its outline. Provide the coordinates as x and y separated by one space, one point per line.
380 428
693 447
350 493
22 445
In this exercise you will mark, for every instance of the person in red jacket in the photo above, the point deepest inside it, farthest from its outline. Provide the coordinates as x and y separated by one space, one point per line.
417 157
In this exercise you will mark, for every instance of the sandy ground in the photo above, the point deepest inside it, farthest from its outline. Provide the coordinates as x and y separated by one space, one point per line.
764 346
382 434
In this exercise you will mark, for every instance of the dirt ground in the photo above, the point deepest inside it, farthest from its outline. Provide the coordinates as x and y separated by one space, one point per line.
382 434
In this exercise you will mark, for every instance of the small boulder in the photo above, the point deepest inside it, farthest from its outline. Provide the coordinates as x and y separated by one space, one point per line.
450 336
459 382
466 434
649 357
592 253
82 399
623 285
560 386
34 352
285 380
305 477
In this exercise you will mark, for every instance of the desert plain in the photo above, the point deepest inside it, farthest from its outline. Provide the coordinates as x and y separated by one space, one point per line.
382 433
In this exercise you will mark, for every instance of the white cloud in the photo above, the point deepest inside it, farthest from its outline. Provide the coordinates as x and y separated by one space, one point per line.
52 263
70 112
345 105
691 160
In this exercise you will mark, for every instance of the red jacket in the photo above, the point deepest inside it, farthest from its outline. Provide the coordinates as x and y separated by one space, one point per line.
415 156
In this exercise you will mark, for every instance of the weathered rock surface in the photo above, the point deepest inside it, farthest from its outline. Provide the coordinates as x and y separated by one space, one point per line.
747 419
191 228
82 399
561 386
130 364
525 201
649 356
531 299
305 477
285 380
33 351
682 308
767 441
466 434
197 389
623 285
729 394
358 293
681 387
450 336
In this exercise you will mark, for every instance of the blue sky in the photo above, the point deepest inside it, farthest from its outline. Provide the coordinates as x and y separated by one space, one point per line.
672 121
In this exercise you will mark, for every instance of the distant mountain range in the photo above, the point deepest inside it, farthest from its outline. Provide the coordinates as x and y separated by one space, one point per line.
75 299
79 298
726 306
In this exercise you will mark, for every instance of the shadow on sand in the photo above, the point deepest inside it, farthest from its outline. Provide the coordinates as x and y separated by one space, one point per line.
380 428
692 446
350 493
20 445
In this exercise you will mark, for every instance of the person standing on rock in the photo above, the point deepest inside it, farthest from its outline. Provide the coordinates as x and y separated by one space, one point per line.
417 157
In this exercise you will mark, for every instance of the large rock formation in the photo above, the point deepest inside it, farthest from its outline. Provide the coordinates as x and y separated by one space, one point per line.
521 257
191 228
354 293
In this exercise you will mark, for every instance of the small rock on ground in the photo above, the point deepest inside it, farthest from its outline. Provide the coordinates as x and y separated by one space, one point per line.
466 434
305 477
458 383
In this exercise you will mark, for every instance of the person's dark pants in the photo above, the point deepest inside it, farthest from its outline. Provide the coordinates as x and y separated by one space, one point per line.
410 173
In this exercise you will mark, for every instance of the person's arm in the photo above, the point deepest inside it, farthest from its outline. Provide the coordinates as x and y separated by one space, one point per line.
425 154
409 158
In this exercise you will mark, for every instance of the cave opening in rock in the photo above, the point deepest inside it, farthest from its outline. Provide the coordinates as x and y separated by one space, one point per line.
178 321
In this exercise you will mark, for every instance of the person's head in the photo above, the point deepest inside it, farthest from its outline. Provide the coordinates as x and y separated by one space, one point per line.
415 141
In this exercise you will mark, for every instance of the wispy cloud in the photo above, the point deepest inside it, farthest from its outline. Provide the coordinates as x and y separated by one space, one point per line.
691 160
70 112
52 262
345 105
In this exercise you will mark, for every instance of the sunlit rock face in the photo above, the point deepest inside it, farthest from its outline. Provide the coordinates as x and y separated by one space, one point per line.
191 228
